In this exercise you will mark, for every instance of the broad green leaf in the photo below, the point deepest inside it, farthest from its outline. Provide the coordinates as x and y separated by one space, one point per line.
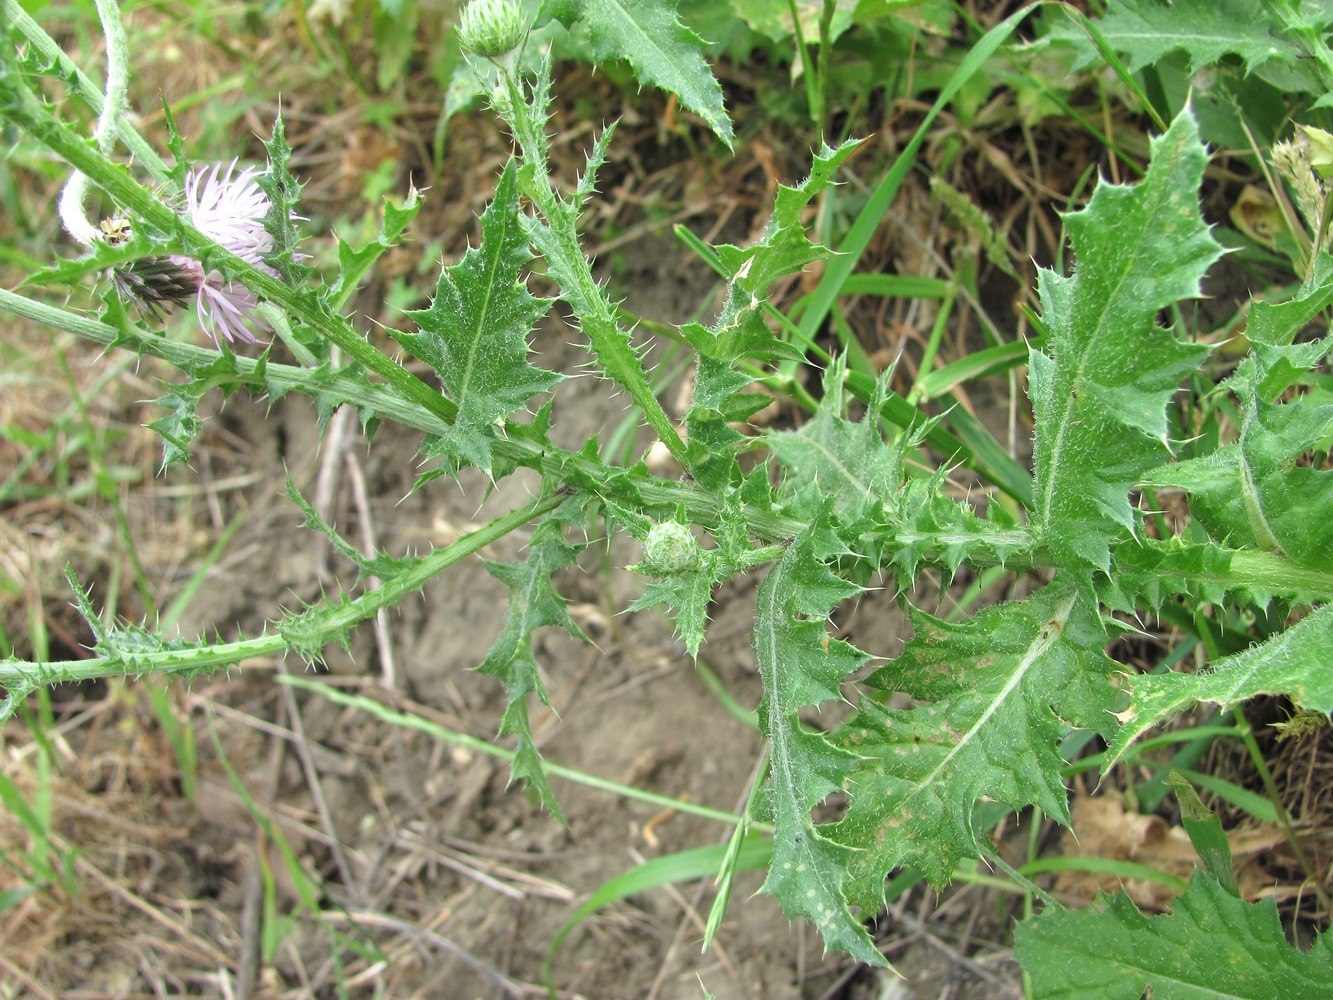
802 665
475 332
663 52
533 603
998 692
1144 31
850 462
1294 663
1254 493
1100 387
1212 946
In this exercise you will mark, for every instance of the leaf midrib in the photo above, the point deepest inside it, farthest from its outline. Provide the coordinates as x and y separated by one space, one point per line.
1066 421
1046 637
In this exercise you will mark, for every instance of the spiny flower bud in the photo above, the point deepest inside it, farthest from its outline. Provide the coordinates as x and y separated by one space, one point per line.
670 548
491 27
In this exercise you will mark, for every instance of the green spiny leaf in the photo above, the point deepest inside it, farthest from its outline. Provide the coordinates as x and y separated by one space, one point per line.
1099 393
713 441
1293 663
882 515
1205 30
686 594
1150 570
801 665
180 163
1276 361
999 691
124 642
533 603
179 427
740 331
924 525
354 263
849 461
662 51
1254 494
378 565
587 185
784 248
475 332
1211 945
527 763
284 194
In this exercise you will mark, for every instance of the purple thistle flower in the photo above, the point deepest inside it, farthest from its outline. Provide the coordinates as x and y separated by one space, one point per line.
227 207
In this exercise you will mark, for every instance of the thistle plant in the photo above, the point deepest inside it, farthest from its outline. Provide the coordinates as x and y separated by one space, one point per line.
831 504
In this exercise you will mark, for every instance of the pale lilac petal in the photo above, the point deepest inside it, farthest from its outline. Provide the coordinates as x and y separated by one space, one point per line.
229 208
228 308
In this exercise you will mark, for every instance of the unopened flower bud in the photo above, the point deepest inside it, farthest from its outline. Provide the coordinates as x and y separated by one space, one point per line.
670 548
491 27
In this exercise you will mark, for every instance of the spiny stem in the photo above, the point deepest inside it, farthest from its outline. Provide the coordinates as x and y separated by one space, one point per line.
330 621
597 317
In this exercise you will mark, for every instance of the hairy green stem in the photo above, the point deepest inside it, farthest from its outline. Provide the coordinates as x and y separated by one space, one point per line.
1274 572
11 12
596 315
304 633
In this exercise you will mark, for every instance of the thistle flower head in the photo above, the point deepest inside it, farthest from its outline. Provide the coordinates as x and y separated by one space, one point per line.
229 208
491 28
